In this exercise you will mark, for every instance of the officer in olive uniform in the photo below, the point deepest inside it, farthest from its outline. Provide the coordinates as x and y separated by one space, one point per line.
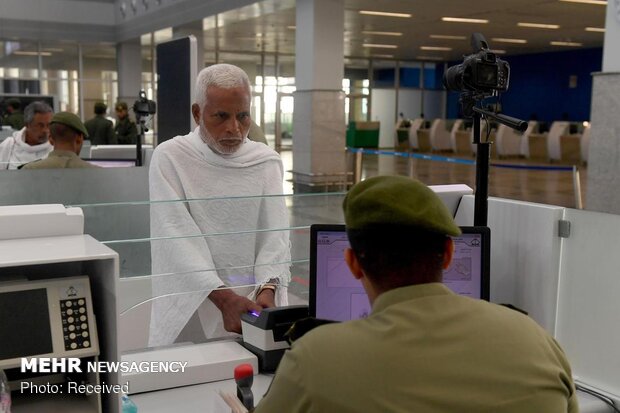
15 117
423 348
125 129
67 134
100 130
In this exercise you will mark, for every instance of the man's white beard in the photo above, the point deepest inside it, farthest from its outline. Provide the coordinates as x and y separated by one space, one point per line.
215 145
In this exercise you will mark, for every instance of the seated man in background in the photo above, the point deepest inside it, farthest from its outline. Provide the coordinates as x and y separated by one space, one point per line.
100 130
125 129
423 348
14 117
67 135
216 160
31 142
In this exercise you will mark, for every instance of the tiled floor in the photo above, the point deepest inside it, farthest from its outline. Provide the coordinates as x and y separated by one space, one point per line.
553 187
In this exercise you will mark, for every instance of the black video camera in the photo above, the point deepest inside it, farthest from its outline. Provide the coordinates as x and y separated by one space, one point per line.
144 106
482 72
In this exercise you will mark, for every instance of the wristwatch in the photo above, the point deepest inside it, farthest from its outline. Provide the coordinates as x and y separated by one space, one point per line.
271 284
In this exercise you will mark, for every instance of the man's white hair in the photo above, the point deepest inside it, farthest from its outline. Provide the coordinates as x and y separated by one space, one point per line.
221 75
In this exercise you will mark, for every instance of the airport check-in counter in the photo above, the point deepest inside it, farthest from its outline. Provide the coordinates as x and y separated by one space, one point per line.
536 264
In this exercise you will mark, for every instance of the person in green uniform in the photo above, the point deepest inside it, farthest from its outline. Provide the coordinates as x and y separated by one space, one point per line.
15 117
125 129
67 134
423 348
100 130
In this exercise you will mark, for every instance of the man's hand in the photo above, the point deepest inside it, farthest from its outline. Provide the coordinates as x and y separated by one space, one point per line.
266 298
232 306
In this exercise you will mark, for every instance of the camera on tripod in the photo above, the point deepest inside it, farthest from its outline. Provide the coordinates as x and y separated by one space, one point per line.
143 106
481 72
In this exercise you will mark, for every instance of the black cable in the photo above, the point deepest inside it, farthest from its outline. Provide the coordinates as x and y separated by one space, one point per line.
599 396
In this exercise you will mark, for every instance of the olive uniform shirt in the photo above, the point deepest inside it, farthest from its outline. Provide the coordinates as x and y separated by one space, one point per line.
59 159
15 120
126 132
425 349
100 131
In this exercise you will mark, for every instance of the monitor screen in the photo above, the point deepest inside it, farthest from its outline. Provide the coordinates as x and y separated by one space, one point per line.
336 295
24 324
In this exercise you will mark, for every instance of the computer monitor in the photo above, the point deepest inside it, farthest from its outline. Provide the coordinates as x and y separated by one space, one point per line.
336 295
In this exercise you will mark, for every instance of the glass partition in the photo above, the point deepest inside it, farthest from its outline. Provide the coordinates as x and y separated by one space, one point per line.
169 267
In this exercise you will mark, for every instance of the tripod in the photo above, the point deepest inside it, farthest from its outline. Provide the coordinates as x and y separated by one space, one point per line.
470 110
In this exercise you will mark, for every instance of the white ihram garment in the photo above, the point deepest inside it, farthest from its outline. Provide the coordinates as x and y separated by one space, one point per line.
186 168
14 151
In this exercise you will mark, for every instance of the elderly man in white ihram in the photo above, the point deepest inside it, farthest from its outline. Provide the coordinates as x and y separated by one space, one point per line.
229 182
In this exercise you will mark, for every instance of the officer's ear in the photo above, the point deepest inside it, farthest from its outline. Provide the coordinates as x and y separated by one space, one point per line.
353 263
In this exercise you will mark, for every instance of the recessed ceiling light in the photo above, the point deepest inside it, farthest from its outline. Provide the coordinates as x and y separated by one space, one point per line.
380 46
539 25
385 14
570 44
506 40
428 58
382 33
441 49
595 29
463 20
25 53
291 27
446 36
597 2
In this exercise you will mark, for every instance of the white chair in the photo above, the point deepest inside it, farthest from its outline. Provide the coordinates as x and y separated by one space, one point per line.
413 133
585 144
509 142
524 143
458 125
439 136
554 149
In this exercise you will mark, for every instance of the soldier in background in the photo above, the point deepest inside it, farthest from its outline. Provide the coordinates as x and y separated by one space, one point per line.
125 130
15 117
100 130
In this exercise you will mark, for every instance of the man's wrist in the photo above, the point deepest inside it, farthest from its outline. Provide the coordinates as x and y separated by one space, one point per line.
271 284
220 296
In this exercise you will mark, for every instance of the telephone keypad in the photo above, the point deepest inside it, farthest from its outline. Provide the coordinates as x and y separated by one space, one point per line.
75 329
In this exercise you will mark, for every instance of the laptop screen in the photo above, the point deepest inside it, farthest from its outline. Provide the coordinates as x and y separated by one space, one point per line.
336 295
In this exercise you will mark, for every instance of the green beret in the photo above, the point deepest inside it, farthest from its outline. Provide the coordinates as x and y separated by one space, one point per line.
397 200
71 120
13 102
121 106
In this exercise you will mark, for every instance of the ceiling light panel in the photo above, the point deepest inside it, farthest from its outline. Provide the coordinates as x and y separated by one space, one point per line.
507 40
447 37
384 14
381 33
464 20
380 46
595 2
569 44
539 25
595 29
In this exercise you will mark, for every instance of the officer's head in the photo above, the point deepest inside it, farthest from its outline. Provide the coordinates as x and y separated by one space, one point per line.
13 105
100 108
399 232
67 132
121 110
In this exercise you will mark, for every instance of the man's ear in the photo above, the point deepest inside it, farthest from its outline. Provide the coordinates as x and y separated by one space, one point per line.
448 252
50 140
196 113
353 263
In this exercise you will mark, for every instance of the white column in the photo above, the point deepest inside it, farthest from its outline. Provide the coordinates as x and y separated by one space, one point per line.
318 122
195 29
604 151
129 67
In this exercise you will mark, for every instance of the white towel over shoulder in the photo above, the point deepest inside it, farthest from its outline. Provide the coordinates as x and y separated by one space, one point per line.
226 194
